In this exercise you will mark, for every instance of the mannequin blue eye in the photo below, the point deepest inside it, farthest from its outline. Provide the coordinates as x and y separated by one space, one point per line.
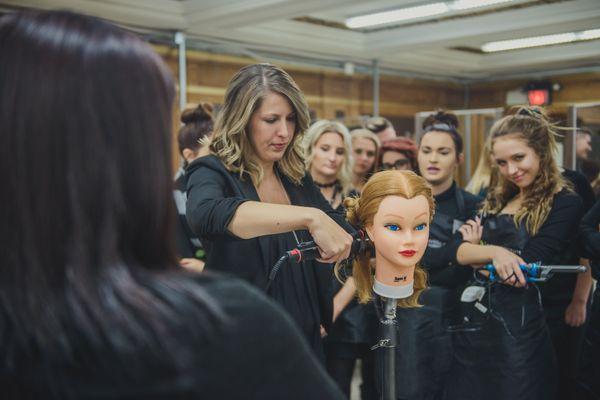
393 227
420 227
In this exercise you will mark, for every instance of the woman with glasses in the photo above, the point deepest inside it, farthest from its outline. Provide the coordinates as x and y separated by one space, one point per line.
399 153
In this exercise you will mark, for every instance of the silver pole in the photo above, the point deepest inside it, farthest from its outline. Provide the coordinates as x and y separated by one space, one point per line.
375 71
467 149
180 41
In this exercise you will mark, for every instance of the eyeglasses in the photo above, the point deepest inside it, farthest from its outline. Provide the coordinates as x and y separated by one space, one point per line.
369 153
399 164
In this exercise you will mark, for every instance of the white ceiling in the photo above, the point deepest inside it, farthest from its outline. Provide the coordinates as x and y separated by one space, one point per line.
270 29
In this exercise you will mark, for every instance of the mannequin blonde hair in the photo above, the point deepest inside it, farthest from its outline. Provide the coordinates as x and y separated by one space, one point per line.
360 211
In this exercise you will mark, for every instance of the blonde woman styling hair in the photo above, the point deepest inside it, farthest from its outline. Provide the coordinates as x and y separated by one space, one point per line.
251 200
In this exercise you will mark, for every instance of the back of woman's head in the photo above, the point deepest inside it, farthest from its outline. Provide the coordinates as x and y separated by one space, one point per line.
197 125
446 122
86 210
244 95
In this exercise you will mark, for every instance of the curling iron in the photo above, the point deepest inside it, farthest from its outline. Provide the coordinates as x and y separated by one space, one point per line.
536 272
306 251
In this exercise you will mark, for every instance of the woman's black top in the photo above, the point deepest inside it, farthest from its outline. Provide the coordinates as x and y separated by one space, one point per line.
188 245
214 193
590 238
257 353
452 208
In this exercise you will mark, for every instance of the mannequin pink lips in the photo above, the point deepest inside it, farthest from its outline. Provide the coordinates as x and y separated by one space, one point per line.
408 253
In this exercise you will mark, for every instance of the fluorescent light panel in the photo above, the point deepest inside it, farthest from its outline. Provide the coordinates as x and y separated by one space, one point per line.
537 41
410 13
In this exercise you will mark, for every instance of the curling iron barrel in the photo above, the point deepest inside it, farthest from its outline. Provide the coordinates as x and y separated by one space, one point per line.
536 272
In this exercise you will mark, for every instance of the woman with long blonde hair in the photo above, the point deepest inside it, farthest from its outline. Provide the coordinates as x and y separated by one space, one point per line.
530 215
329 159
365 147
251 199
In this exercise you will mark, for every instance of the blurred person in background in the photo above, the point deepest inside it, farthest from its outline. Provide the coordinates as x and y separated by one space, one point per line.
382 127
192 137
399 153
329 161
365 146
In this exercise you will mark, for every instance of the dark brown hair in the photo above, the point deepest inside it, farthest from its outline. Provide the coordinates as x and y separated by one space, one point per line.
198 125
446 122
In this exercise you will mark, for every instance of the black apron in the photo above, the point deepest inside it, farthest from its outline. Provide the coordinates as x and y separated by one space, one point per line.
510 356
424 352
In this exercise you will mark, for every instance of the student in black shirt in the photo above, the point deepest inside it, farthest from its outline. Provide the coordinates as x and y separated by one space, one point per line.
197 128
533 212
93 304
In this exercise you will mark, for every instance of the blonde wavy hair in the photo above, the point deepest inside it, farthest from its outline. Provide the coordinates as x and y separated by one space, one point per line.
532 125
360 212
230 141
313 135
485 169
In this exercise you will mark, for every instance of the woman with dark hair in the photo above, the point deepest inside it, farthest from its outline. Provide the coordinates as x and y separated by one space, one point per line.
399 153
93 304
530 215
251 200
197 128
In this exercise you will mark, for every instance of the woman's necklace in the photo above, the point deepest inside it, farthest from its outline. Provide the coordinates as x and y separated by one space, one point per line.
326 185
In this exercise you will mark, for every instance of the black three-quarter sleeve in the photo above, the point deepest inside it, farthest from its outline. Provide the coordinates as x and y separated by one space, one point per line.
558 231
590 237
209 208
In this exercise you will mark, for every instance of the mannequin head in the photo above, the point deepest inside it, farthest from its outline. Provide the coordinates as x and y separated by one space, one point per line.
395 209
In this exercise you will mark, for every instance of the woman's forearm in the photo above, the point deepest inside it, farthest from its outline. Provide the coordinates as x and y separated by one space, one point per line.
253 219
343 297
468 253
583 286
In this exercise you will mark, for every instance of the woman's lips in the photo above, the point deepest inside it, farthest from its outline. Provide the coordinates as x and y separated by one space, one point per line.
518 177
433 170
279 146
408 253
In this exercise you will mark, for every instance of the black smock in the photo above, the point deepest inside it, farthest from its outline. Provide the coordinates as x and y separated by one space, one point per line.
424 355
253 352
588 376
214 193
350 338
511 355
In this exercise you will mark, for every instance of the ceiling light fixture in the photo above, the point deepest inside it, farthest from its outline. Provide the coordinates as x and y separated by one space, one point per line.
536 41
410 13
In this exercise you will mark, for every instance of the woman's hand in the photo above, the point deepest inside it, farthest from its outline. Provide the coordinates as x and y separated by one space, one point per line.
506 264
192 263
575 313
333 241
472 230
